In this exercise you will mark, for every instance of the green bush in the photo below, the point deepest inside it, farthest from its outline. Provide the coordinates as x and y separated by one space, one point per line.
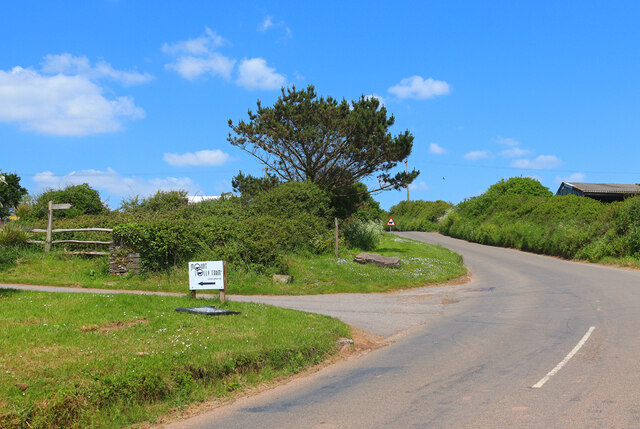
161 244
253 235
419 215
161 201
12 234
293 199
83 200
289 217
627 223
519 186
365 235
520 213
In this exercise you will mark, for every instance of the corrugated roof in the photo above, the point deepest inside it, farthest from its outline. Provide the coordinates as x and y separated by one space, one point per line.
606 188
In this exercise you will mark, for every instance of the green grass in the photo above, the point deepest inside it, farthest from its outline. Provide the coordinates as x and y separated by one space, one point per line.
85 360
423 264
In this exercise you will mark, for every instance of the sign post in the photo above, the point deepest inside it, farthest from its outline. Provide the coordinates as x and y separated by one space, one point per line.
52 207
391 223
206 275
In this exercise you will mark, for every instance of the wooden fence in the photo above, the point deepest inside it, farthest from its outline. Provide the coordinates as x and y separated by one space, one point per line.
48 241
50 231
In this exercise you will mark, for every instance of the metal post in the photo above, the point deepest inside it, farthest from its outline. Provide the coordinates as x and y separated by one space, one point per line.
47 243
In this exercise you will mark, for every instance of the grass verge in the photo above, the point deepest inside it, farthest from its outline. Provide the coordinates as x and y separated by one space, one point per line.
423 264
84 360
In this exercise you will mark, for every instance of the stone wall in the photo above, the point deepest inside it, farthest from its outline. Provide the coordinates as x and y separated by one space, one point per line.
123 261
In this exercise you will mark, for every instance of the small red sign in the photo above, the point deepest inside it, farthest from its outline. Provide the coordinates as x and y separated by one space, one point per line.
391 222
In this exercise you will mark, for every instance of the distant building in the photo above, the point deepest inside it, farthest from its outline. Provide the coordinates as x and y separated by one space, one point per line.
605 192
195 199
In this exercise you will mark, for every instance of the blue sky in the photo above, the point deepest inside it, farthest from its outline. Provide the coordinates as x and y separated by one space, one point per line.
134 96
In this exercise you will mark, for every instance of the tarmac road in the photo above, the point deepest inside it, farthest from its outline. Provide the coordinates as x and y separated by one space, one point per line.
571 330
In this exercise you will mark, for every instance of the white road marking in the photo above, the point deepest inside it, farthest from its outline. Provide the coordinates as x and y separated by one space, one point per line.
553 372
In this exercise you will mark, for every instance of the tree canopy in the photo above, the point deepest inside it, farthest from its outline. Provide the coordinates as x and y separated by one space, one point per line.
10 193
303 137
249 187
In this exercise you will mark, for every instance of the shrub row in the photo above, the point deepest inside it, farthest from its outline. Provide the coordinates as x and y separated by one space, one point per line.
419 215
292 216
253 233
522 214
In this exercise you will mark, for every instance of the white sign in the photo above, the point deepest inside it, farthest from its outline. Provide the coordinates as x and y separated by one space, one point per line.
391 222
62 206
206 275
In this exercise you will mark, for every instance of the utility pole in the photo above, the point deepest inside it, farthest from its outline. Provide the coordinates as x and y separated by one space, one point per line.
406 163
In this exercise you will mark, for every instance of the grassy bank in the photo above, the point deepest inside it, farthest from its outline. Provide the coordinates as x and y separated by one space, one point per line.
423 264
522 214
76 360
419 215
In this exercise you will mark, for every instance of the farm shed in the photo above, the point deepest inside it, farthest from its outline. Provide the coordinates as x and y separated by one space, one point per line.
605 192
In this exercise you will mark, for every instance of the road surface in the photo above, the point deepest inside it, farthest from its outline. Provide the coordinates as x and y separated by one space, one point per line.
532 341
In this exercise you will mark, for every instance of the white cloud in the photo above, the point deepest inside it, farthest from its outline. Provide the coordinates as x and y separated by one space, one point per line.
515 152
67 64
542 162
575 177
116 184
196 57
266 24
61 105
202 45
417 87
477 154
418 186
506 141
435 148
255 74
214 64
201 157
269 23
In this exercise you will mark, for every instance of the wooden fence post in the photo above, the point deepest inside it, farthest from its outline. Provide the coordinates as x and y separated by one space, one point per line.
47 243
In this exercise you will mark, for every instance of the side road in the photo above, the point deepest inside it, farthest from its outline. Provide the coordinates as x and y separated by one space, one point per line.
383 314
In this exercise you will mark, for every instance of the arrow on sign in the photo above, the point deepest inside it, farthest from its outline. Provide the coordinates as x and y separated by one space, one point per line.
206 283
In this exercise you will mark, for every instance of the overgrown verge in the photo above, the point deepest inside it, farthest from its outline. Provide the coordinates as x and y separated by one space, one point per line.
252 235
76 360
313 273
282 228
521 213
419 215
